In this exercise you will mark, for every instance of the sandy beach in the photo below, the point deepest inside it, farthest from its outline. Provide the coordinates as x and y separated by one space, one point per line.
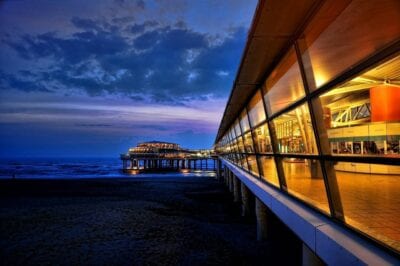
146 221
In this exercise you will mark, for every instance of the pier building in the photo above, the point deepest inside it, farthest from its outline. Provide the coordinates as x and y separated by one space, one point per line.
311 129
161 156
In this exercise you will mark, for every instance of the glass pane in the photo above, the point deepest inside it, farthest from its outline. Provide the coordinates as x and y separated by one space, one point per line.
285 85
248 143
232 133
253 168
295 132
370 198
237 129
304 180
268 170
235 146
256 110
345 32
244 121
262 139
235 158
240 145
243 161
361 117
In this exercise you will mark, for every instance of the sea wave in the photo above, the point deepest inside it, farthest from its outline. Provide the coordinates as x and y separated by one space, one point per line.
78 168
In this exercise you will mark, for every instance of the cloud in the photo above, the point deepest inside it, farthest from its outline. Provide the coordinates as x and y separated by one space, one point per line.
93 125
161 64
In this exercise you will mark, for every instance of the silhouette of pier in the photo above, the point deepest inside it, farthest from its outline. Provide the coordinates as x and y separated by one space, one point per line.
165 156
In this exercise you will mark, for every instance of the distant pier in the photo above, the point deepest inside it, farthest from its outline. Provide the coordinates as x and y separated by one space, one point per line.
165 156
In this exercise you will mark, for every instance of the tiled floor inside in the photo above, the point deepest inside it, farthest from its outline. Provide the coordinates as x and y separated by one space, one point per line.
371 202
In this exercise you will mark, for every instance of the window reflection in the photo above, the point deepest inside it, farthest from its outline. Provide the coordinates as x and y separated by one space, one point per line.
244 121
268 170
284 86
262 139
304 180
237 130
294 132
240 145
343 33
243 161
370 202
253 167
362 116
248 143
256 110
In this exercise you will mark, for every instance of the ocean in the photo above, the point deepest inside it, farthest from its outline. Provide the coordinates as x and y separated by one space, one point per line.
58 168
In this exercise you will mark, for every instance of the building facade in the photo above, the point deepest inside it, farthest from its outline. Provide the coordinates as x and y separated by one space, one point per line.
314 112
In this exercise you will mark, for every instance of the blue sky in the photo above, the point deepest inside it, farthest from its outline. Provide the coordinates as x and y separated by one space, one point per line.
92 78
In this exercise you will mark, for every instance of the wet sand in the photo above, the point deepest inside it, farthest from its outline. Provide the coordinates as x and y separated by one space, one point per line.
162 221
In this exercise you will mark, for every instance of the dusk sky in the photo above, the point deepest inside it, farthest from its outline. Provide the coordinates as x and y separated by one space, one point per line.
92 78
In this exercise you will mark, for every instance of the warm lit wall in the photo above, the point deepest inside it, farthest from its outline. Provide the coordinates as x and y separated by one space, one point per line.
385 103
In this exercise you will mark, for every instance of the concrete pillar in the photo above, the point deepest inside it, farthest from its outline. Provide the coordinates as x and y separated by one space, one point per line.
246 204
219 172
262 220
228 178
225 174
236 189
231 177
309 258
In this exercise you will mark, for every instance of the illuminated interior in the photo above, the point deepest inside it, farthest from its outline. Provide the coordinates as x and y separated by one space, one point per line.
336 147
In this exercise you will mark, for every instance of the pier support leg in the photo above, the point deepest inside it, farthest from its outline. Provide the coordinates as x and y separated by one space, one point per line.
231 177
228 180
246 200
219 172
309 258
262 220
236 189
224 175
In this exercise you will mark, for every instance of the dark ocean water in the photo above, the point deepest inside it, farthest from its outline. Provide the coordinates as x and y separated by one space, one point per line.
76 168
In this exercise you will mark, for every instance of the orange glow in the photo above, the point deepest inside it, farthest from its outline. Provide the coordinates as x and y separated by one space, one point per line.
385 103
133 172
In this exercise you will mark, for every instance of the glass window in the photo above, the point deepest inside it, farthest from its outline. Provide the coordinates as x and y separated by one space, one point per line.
232 133
248 143
284 85
304 180
234 145
237 129
344 33
370 198
262 139
253 167
268 170
244 121
295 132
361 117
235 158
240 145
243 161
256 109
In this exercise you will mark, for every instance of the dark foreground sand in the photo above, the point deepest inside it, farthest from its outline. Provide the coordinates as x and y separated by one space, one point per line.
163 221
